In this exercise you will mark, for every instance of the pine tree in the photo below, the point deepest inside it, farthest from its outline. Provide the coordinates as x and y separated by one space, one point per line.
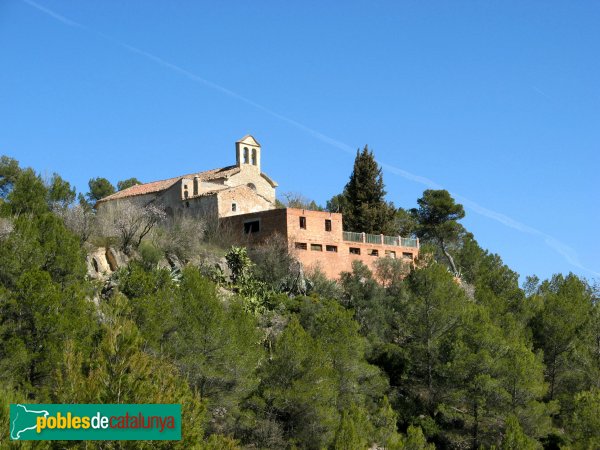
515 439
99 188
363 205
347 437
437 218
129 182
585 422
298 388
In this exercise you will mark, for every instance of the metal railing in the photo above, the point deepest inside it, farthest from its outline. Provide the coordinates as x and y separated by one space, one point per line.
379 239
392 240
352 236
372 238
408 242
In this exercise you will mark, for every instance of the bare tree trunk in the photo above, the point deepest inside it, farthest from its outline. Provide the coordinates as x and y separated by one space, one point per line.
449 257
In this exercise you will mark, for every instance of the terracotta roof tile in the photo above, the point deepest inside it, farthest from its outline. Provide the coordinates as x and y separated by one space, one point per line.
158 186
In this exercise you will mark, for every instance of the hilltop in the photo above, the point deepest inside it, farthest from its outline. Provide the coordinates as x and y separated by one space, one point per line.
446 352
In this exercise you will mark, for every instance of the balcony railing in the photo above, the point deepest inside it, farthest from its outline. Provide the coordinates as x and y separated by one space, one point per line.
409 242
352 236
380 239
373 238
392 240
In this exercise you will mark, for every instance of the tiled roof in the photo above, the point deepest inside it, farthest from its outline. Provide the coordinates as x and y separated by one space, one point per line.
158 186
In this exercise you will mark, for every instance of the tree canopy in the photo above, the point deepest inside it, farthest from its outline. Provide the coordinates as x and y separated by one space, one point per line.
124 184
99 188
362 202
437 220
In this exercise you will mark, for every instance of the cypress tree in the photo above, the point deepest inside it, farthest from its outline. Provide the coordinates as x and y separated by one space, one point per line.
365 208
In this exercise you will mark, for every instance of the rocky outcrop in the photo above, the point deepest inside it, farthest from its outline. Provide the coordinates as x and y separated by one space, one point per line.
102 262
97 265
116 258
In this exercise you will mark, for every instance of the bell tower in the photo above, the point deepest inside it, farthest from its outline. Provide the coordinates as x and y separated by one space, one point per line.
247 153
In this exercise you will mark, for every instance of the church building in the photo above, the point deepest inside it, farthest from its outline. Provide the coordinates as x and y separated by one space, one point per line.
238 189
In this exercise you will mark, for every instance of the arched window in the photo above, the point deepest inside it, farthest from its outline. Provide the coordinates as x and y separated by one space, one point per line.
245 155
252 186
253 156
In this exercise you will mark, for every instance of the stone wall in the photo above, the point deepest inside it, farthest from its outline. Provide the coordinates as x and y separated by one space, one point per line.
245 200
251 175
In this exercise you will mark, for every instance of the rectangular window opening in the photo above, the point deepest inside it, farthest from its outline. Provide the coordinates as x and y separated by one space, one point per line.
233 207
303 222
301 246
390 254
407 255
252 227
316 247
372 252
327 225
331 248
354 251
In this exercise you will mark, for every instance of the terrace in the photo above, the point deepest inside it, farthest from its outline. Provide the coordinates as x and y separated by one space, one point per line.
380 239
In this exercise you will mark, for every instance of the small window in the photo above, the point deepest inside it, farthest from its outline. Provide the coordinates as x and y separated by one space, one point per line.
407 255
331 248
316 247
252 186
185 193
372 252
187 204
246 155
252 227
390 253
354 251
301 246
233 207
253 156
303 222
327 225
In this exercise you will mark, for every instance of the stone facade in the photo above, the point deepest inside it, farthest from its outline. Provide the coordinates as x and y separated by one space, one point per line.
238 189
317 239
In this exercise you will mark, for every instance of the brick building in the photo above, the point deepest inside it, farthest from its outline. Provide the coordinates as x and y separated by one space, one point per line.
242 198
318 239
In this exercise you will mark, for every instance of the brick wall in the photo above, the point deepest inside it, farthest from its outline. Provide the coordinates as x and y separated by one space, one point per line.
312 243
269 223
332 263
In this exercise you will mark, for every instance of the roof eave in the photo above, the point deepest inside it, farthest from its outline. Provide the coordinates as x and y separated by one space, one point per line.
272 182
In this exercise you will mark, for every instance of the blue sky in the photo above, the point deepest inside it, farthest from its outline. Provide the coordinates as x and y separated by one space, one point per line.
498 102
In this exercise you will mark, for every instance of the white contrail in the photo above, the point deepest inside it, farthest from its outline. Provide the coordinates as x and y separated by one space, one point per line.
563 249
53 14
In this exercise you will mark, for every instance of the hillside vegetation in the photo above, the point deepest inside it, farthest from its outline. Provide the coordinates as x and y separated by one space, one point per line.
449 354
